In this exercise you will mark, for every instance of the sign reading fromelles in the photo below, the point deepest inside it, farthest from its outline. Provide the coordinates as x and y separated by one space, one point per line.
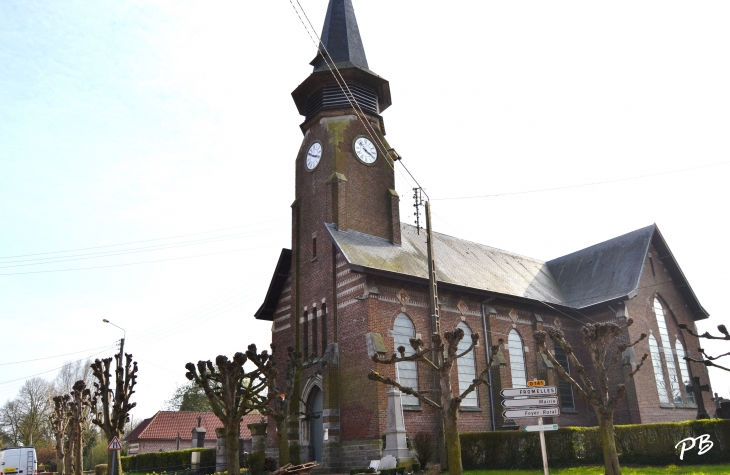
536 391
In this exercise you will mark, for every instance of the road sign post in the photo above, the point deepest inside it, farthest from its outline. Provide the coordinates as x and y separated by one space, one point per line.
536 400
115 446
543 449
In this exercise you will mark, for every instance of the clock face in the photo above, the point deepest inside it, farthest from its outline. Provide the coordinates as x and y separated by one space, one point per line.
365 150
313 155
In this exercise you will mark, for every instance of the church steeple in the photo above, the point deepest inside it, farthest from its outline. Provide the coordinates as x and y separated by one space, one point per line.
341 38
323 90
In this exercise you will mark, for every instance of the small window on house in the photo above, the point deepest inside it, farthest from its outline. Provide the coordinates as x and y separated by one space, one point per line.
686 381
656 362
466 366
566 390
406 371
517 360
676 393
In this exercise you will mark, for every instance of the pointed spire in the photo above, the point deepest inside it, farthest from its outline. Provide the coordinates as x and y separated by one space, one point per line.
341 37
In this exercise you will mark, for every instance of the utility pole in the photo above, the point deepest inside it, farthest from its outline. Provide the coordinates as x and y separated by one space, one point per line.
432 289
435 326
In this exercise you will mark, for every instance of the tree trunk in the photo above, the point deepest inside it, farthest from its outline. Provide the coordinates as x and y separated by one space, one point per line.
59 457
608 440
78 453
68 458
282 437
453 443
234 467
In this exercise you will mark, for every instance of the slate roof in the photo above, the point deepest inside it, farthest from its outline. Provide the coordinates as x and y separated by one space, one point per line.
598 274
604 271
458 262
165 425
341 36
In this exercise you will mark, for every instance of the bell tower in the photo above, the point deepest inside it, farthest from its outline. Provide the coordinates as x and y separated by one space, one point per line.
344 175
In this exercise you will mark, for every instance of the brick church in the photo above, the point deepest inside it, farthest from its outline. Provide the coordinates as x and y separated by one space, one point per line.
357 277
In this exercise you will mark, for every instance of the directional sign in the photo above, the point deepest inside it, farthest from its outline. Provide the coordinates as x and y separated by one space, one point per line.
536 383
114 444
530 402
542 427
540 412
538 391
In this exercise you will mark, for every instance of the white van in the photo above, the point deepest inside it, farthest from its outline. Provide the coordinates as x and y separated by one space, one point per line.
18 461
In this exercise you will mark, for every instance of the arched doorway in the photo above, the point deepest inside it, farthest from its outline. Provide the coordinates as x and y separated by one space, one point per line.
316 431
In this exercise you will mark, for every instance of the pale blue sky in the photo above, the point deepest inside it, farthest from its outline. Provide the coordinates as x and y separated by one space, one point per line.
131 121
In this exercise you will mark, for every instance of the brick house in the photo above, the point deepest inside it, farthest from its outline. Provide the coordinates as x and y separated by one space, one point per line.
355 271
172 430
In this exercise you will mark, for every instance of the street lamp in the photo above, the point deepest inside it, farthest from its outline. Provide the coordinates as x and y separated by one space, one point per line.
121 346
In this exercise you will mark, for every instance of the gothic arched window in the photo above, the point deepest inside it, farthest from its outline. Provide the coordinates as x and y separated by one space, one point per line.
466 366
676 393
656 362
567 400
406 371
684 370
517 360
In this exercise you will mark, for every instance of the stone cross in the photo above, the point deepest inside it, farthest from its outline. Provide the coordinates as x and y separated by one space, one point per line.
696 388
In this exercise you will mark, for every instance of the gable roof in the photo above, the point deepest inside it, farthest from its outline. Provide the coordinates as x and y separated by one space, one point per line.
166 425
605 272
458 262
281 273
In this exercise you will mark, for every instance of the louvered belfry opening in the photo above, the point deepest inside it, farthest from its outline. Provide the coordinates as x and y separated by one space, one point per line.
331 96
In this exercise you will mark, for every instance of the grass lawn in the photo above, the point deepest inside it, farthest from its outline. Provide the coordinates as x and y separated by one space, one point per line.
670 469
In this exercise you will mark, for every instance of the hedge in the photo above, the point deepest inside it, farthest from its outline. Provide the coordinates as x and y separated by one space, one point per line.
644 444
175 460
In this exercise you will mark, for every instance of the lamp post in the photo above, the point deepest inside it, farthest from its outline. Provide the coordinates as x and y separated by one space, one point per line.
121 346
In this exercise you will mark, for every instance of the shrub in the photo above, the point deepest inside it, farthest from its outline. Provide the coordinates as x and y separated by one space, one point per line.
416 467
100 469
174 460
646 444
353 471
424 447
393 471
255 462
269 464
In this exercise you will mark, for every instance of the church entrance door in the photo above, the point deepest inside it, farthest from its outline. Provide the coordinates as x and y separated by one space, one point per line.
316 431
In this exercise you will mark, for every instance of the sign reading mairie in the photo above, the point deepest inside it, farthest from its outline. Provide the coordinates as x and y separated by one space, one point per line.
531 402
536 391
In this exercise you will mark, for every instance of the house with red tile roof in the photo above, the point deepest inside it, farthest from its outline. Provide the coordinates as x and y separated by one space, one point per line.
172 430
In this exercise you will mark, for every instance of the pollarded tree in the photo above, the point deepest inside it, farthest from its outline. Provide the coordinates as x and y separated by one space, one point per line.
599 339
79 406
279 407
110 403
59 422
440 358
234 392
709 360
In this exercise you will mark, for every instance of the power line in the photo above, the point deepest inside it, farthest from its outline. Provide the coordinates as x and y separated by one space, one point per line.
580 185
103 254
55 369
55 356
131 263
137 242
